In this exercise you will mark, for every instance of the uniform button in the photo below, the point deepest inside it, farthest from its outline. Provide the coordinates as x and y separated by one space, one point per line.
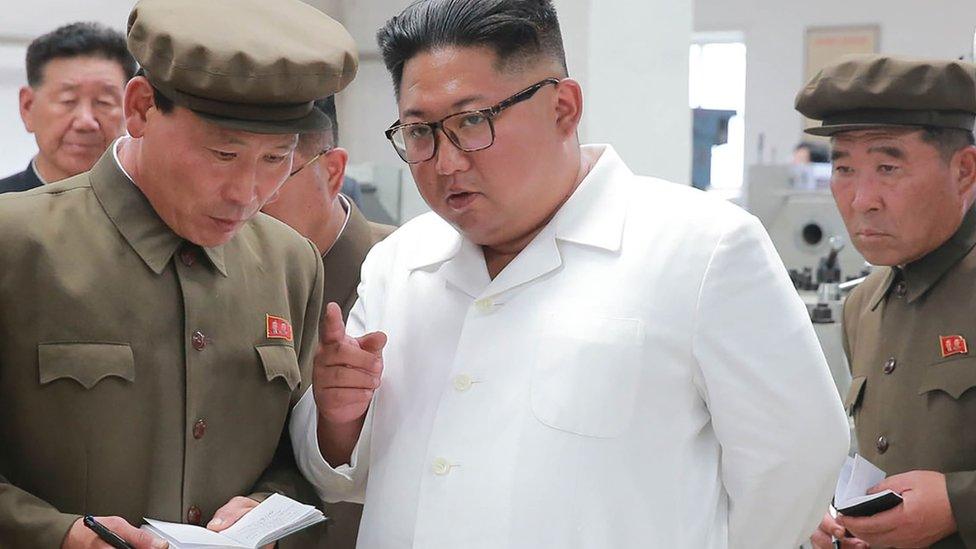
901 289
199 340
199 429
441 467
882 444
889 365
484 305
188 257
193 515
462 383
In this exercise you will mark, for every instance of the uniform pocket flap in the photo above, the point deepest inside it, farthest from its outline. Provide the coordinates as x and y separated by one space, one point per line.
86 363
280 361
954 377
854 393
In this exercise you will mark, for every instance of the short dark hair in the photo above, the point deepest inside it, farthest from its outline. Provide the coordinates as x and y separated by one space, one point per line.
312 143
948 141
516 30
818 153
76 40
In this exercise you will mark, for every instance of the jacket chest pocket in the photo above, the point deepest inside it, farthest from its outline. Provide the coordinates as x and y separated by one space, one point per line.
587 372
280 363
88 364
954 378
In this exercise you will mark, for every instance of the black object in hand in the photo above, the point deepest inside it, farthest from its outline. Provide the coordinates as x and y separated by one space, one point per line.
105 534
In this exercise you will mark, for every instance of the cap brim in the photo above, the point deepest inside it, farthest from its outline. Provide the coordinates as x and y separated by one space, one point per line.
827 131
314 121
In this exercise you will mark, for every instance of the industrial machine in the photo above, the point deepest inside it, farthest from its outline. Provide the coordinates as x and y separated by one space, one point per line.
795 205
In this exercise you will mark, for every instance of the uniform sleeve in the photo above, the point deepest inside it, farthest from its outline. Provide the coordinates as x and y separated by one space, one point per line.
962 498
333 484
27 521
774 408
283 476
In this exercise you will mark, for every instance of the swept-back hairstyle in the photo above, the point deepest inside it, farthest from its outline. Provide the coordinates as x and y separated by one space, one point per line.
518 31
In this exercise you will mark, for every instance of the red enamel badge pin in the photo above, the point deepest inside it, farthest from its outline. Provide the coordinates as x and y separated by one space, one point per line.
953 345
279 328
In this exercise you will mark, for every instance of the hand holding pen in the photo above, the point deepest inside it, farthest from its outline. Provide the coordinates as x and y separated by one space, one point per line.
108 532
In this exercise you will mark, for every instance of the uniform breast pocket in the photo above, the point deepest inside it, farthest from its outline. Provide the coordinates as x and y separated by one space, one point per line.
587 374
954 378
88 364
280 363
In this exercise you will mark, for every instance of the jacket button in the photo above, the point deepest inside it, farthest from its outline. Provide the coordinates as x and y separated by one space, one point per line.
462 383
193 515
441 467
199 429
882 444
889 365
901 289
199 340
188 257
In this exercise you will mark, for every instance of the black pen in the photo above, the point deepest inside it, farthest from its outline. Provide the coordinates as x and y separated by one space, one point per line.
105 534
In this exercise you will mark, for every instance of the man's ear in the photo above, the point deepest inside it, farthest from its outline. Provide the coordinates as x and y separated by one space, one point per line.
963 167
26 103
137 104
335 165
569 106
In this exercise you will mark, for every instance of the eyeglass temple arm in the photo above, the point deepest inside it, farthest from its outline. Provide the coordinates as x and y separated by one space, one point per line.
521 96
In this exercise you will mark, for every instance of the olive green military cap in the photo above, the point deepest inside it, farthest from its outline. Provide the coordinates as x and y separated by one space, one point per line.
870 91
254 65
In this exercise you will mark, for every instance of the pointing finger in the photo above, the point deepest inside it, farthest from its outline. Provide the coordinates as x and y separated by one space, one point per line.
333 329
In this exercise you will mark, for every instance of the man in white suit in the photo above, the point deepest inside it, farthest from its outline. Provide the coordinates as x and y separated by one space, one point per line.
577 356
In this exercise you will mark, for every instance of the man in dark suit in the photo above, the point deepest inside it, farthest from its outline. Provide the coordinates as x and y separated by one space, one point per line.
310 201
72 102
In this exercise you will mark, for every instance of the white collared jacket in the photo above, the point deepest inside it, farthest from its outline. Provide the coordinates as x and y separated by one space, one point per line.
643 374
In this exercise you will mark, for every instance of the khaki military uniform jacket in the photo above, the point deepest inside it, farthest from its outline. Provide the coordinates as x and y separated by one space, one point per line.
344 260
913 394
142 376
342 268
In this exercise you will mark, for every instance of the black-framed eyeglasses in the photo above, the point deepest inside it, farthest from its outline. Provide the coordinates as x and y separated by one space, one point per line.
308 162
469 131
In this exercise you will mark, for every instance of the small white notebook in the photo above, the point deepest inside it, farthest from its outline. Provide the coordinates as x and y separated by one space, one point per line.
275 518
857 476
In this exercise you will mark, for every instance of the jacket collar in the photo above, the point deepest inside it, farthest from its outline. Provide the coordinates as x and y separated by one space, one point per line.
347 254
593 216
135 218
920 275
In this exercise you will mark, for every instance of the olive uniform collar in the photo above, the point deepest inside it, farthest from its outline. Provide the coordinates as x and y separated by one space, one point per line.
919 276
344 258
135 218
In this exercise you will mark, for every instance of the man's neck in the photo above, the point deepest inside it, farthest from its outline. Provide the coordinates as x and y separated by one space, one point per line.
325 234
47 171
498 257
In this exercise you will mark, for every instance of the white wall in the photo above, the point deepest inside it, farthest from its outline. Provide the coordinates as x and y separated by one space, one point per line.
774 33
367 106
632 59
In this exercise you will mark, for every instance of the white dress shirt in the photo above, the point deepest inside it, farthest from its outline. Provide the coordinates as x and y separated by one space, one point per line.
642 374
